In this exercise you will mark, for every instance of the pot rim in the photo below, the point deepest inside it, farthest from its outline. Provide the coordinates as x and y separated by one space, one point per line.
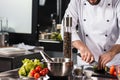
65 60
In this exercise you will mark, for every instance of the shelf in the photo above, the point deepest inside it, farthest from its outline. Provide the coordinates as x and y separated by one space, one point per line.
49 41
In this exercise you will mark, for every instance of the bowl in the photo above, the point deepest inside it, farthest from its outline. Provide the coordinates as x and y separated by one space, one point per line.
60 66
88 74
88 71
77 71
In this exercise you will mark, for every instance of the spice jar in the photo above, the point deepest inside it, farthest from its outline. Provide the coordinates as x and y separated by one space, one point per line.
67 23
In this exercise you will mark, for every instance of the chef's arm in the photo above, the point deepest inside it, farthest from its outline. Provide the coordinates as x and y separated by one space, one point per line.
105 58
85 53
115 49
78 44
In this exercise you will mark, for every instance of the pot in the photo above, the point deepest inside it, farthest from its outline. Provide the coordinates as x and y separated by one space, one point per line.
60 66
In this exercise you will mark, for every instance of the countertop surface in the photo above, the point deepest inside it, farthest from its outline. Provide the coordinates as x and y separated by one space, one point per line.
13 74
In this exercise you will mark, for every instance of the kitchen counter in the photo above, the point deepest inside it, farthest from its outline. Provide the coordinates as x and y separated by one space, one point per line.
15 61
13 75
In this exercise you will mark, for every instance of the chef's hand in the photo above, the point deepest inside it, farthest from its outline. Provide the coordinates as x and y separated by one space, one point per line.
104 59
86 55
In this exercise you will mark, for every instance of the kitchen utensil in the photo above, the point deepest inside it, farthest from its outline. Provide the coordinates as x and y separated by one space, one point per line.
77 71
88 74
88 71
94 63
46 57
60 66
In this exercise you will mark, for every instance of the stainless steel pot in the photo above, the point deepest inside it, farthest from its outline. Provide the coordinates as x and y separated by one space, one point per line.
60 66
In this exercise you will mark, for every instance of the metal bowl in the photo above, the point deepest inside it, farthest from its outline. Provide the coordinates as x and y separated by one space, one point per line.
60 66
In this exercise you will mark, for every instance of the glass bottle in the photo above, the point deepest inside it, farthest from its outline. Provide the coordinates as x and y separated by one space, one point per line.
53 29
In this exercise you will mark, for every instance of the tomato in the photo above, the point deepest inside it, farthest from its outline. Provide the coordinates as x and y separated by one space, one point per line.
32 72
114 73
46 70
38 68
112 69
118 70
36 75
42 73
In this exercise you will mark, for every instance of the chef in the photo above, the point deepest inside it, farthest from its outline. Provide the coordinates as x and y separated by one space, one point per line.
98 35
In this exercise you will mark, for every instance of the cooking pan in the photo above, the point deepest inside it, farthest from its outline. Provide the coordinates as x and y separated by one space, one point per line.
60 66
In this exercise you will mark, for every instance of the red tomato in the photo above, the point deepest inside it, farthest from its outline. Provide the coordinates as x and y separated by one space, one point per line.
38 68
32 72
114 73
118 72
36 75
42 73
112 69
46 70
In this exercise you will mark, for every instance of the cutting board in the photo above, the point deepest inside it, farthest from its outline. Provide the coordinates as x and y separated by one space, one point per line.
101 73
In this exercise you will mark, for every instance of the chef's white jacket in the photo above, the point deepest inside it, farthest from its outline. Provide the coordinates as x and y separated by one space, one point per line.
98 25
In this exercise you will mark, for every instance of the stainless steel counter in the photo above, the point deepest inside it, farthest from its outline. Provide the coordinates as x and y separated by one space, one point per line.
12 62
13 75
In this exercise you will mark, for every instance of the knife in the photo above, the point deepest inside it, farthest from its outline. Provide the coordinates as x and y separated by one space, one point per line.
94 63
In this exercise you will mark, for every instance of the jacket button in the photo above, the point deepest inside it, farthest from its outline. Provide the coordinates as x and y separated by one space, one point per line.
84 3
104 49
108 4
84 19
86 35
106 35
108 20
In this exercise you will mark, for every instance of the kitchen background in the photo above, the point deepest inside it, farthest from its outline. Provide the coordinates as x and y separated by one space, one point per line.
42 15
